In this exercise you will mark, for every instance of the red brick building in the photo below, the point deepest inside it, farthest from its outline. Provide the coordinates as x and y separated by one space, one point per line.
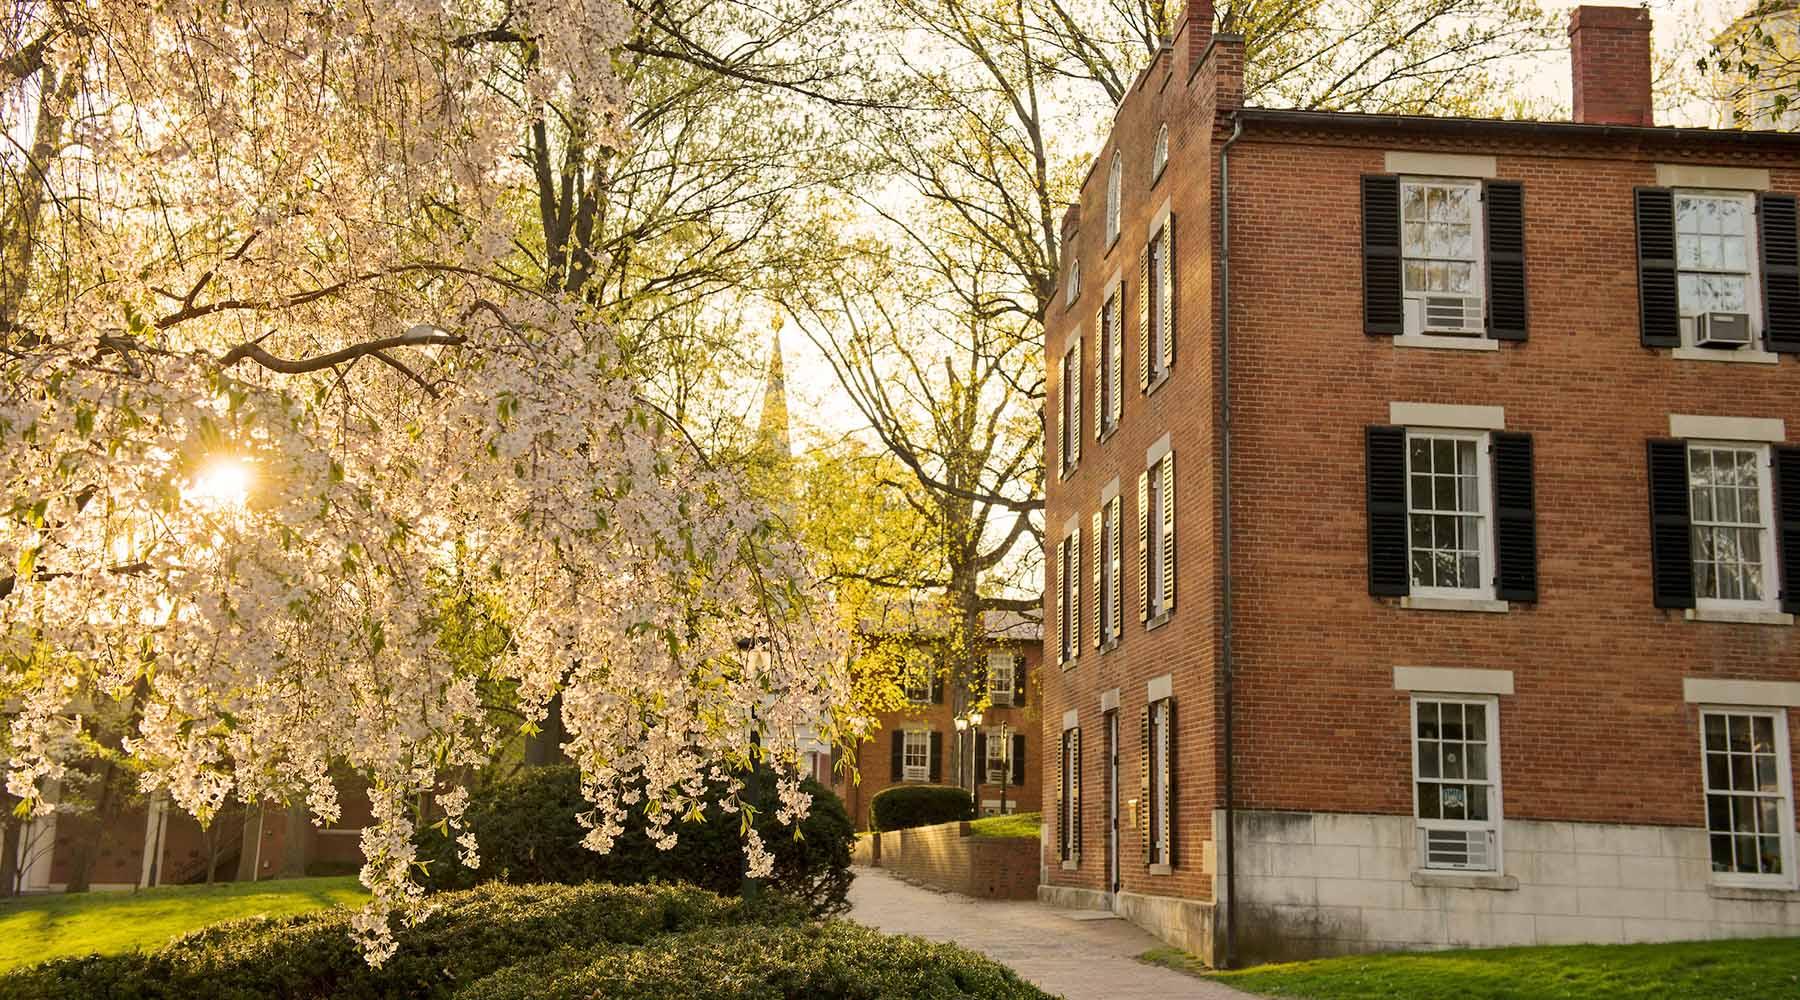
1486 529
999 760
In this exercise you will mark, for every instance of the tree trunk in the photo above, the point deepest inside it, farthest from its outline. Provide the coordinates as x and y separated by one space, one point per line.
249 843
294 844
546 746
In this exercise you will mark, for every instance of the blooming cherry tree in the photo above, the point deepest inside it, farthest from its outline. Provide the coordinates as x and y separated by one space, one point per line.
282 364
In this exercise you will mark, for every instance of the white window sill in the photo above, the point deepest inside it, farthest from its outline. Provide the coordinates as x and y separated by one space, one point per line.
1455 604
1162 869
1161 619
1071 866
1437 878
1109 645
1156 381
1447 343
1105 432
1754 893
1739 616
1742 355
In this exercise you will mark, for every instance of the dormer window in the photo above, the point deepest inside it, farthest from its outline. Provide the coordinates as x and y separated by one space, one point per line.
1113 179
1159 153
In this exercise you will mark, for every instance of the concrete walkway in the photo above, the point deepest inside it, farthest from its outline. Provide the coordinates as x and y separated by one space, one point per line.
1062 951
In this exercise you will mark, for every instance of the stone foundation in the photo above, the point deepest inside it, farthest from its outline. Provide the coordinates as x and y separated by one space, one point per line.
1314 884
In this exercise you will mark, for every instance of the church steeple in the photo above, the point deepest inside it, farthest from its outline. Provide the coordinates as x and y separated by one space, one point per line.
772 430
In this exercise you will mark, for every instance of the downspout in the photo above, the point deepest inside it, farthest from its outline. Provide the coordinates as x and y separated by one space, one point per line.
1231 910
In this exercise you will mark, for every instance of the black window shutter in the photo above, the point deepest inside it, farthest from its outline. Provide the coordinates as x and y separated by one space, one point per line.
1383 311
937 688
1146 815
1386 469
899 756
1018 681
1780 272
1505 259
1515 519
937 756
1671 535
1075 809
1787 526
980 757
1018 759
1659 314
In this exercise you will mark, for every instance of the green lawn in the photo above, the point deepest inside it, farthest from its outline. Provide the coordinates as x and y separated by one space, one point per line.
36 928
1757 969
1013 825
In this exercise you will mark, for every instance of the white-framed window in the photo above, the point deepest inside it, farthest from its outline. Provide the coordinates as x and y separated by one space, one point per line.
1450 538
998 764
1000 678
1073 291
915 759
1716 275
918 683
1456 781
1730 505
1114 177
1108 551
1441 246
1749 796
1156 530
1159 153
1156 292
1157 817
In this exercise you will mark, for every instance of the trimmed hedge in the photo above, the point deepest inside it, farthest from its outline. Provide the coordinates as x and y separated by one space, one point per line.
528 832
311 957
833 959
902 807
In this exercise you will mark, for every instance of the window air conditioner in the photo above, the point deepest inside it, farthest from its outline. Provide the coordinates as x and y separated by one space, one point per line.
997 776
1453 314
1721 329
1465 849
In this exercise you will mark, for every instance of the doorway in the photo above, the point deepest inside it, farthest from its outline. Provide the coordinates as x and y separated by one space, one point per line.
1112 806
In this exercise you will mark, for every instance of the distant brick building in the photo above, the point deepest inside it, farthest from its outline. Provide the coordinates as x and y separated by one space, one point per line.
998 760
1469 448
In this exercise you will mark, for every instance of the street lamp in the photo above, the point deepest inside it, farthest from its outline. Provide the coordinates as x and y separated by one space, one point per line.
968 723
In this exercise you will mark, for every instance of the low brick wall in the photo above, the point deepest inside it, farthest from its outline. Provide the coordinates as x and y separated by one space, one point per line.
947 857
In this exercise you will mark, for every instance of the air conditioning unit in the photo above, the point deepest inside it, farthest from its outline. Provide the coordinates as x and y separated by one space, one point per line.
1722 329
1463 849
997 776
1454 314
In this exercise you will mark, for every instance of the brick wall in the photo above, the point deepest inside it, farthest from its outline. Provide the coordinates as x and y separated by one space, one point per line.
1598 730
947 857
872 758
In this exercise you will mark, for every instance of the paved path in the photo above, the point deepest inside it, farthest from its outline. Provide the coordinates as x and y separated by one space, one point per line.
1062 951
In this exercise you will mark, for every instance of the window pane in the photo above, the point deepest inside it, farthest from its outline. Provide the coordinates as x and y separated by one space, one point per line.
1478 809
1428 801
1765 774
1453 760
1743 776
1428 759
1721 853
1477 762
1740 733
1475 723
1428 720
1450 714
1718 812
1762 732
1455 801
1771 855
1715 732
1718 772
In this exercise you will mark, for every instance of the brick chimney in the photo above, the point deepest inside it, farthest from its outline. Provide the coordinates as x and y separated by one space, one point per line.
1194 33
1609 48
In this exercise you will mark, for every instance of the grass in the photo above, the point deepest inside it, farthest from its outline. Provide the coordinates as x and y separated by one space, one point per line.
1752 969
1011 825
37 928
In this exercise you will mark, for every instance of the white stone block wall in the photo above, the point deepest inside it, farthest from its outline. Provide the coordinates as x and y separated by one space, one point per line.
1328 883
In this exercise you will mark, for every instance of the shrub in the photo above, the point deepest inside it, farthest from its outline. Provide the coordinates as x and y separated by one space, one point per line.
903 807
834 959
311 957
528 832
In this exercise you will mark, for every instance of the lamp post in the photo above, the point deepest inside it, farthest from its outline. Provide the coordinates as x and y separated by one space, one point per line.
968 723
1006 750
